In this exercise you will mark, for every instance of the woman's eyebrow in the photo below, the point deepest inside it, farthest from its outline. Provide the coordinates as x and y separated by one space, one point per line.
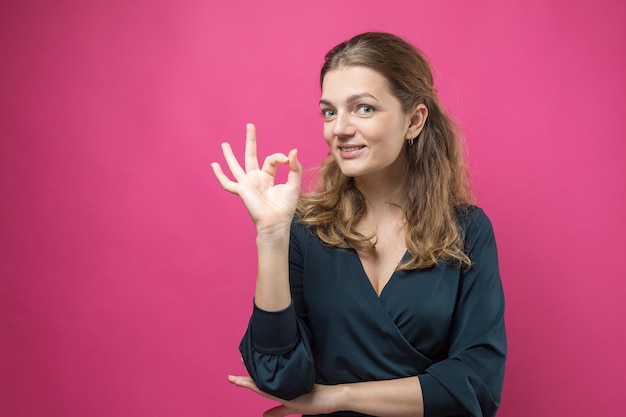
351 99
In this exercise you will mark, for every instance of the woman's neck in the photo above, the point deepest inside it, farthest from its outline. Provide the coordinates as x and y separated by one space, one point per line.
381 197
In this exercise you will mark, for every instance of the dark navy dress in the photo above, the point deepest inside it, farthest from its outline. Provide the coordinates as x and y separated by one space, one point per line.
442 324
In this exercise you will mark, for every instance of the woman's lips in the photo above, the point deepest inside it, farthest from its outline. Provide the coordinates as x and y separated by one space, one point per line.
349 152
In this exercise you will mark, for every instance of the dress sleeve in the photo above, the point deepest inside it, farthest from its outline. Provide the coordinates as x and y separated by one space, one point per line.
469 381
275 347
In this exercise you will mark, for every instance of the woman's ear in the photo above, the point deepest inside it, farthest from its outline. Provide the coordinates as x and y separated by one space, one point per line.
418 120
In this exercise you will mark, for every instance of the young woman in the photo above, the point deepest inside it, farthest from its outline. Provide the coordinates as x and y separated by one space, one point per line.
378 293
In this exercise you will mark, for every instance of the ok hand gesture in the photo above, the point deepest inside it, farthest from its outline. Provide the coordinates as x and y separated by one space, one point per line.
270 205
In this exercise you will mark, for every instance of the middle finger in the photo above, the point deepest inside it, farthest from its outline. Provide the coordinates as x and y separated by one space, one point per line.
251 160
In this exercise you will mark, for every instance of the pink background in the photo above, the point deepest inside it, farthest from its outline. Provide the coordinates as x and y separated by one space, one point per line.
126 274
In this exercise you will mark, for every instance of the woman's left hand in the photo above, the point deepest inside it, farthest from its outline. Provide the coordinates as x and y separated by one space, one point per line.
321 400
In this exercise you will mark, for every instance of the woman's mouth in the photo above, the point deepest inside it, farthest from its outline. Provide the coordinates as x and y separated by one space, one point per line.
349 152
350 149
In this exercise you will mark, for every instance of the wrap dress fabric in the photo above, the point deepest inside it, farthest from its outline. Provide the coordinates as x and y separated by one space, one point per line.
444 325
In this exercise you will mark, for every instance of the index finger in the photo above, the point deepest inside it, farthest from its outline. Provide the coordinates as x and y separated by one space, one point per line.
250 159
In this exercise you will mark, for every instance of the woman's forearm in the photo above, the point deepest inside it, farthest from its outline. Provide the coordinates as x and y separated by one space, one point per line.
390 398
272 286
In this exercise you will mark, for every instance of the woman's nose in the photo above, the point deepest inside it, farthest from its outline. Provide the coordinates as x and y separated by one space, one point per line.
342 125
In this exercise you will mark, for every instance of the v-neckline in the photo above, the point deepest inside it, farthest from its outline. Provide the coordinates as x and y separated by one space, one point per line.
367 279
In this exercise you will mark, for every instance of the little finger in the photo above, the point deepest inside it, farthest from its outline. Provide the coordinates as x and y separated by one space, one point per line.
226 183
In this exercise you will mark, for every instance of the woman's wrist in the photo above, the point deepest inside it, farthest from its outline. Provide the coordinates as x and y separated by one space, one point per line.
340 398
273 243
275 232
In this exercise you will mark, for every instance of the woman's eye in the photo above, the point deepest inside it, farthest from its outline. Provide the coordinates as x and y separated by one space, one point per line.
328 113
365 109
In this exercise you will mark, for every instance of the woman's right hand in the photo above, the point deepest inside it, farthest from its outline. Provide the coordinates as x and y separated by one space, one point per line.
271 206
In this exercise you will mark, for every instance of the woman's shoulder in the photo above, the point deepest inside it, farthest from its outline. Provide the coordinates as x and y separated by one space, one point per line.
471 216
475 226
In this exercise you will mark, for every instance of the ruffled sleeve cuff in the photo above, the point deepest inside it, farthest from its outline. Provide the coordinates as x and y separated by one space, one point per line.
274 332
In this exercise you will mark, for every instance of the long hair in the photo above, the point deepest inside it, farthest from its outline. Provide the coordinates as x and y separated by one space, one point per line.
434 188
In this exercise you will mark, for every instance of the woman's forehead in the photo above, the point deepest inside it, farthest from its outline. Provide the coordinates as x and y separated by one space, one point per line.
356 82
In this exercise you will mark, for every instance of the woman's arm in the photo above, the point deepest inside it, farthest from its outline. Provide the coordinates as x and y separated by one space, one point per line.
469 381
275 350
272 291
391 398
272 207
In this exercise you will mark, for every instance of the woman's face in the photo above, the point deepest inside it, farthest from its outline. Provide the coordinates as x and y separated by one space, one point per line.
364 124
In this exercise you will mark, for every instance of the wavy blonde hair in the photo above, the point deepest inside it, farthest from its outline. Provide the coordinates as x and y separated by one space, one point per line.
434 189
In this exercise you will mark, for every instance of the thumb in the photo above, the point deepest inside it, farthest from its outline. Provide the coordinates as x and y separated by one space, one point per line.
295 168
